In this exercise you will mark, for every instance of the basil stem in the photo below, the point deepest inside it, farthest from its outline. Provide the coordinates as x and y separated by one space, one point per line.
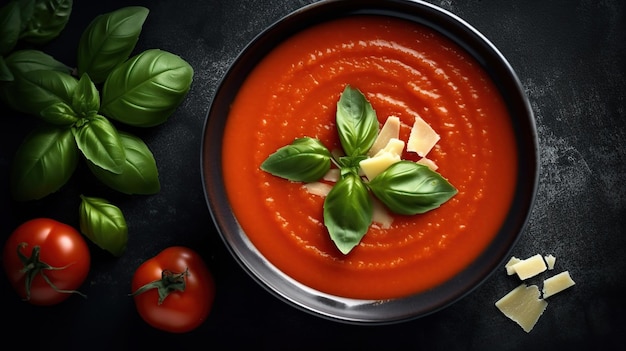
304 160
43 163
357 123
348 211
409 188
104 224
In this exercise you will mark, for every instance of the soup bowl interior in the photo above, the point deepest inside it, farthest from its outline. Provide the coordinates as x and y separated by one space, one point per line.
355 310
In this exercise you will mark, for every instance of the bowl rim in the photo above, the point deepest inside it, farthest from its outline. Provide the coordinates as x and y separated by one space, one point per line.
372 312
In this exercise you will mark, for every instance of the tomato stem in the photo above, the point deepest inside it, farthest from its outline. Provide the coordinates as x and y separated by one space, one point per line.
33 265
168 283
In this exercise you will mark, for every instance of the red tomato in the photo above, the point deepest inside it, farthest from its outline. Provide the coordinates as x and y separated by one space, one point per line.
186 287
51 249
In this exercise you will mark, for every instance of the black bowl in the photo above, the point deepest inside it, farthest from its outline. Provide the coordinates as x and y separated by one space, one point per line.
369 311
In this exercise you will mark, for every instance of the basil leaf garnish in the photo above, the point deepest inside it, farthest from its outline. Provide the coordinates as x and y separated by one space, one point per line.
109 40
410 188
43 163
348 210
146 89
139 172
100 143
357 123
104 224
304 160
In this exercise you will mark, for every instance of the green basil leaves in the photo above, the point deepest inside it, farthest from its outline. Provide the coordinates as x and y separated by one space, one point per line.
305 160
348 212
146 89
409 188
109 40
104 224
405 187
78 105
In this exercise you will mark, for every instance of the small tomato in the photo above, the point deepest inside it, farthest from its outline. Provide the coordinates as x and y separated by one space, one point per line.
46 261
174 290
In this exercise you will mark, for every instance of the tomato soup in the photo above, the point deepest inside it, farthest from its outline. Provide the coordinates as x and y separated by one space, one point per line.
404 70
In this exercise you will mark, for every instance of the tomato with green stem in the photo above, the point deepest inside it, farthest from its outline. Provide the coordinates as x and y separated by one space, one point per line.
46 261
174 290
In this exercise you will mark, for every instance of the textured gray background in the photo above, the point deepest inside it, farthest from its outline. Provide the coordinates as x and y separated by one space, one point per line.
570 57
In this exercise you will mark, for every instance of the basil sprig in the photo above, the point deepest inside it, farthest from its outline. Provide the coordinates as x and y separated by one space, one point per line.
405 187
140 91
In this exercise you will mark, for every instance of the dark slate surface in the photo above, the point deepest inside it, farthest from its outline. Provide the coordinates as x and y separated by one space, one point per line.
570 57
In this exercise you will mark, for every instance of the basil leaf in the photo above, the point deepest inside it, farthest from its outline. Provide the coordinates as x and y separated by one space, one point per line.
304 160
48 19
43 163
357 123
100 143
146 89
86 99
104 224
139 172
348 211
409 188
59 113
22 61
10 26
109 40
36 90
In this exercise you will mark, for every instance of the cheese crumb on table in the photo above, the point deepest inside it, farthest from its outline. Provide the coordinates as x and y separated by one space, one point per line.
523 306
529 267
550 260
509 265
557 283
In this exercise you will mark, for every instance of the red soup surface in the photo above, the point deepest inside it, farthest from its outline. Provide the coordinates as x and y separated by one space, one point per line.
404 70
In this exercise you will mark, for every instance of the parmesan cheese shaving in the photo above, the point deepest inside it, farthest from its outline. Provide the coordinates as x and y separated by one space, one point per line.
384 158
523 306
422 138
380 215
428 163
317 188
390 130
557 283
529 267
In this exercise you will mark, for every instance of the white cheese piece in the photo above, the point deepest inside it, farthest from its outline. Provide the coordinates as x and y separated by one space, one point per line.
381 215
428 163
317 188
523 306
389 155
550 260
422 138
529 267
557 283
509 265
390 130
373 166
332 175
